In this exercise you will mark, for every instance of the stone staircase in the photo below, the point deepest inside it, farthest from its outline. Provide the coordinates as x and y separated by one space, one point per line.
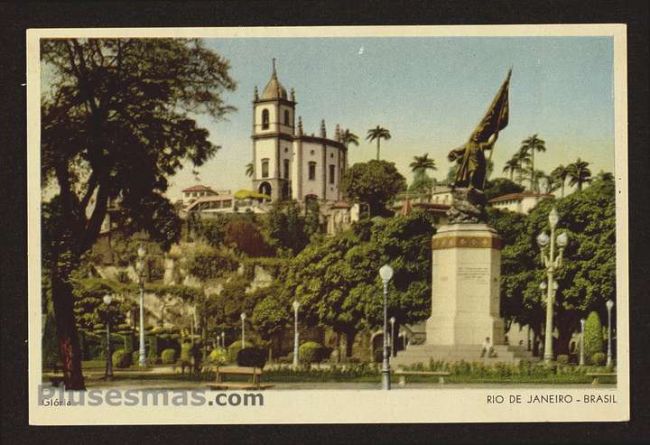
470 353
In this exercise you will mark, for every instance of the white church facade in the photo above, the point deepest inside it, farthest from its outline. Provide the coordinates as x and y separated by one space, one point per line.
289 164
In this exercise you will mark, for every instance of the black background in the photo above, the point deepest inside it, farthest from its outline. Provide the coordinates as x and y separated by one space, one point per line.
15 18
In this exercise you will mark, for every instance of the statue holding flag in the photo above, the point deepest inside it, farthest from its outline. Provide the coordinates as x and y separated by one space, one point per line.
468 187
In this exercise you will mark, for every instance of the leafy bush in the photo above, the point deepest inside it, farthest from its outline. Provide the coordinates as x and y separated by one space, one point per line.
168 356
311 352
255 357
186 353
563 359
218 357
593 335
234 349
121 359
598 358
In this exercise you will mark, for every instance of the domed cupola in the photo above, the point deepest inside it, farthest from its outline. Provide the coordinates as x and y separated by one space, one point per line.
274 89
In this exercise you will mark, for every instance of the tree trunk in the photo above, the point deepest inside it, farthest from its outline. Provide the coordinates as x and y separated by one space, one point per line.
349 342
66 328
377 148
532 170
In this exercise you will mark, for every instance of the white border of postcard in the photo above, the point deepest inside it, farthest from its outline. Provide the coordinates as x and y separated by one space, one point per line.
444 404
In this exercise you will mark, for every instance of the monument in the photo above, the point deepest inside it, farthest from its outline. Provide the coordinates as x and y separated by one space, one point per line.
466 254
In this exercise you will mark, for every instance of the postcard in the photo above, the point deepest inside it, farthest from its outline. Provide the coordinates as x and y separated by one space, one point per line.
350 224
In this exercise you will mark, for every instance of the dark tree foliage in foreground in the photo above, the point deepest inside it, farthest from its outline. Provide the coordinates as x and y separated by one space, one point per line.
117 121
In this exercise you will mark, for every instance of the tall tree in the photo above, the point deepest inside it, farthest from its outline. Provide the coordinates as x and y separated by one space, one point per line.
374 183
579 173
523 164
377 134
347 138
531 145
511 166
558 176
422 183
422 164
116 122
250 169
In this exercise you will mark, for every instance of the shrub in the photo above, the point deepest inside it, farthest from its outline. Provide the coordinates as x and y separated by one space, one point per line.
593 335
563 359
598 358
311 352
234 349
218 357
255 357
121 359
186 353
168 356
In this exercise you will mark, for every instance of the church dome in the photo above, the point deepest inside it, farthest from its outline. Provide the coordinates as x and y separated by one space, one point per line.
274 89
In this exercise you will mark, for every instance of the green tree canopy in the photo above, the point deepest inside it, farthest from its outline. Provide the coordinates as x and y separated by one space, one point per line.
117 121
501 186
374 183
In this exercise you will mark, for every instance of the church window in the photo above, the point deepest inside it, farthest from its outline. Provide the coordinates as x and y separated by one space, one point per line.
265 168
286 118
265 119
332 170
286 169
312 171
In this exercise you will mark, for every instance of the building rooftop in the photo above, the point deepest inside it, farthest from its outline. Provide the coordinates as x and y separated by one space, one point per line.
519 196
198 188
274 89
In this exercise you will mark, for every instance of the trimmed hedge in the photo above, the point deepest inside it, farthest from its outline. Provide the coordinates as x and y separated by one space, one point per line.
598 358
234 349
121 359
311 352
254 357
593 335
168 356
218 357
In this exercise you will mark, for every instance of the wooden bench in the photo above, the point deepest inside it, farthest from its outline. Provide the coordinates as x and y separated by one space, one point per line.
597 375
403 374
254 373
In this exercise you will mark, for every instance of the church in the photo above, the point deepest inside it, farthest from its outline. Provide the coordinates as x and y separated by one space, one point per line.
287 162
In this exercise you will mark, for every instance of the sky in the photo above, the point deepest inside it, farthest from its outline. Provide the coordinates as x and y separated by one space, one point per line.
430 92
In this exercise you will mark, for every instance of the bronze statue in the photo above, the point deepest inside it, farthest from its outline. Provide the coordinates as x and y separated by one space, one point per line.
469 201
472 168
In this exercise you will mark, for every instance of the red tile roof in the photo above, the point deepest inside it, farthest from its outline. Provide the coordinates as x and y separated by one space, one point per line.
198 188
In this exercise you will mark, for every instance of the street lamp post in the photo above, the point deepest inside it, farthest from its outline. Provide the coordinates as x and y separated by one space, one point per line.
552 261
109 358
610 305
386 273
223 339
296 306
243 330
582 342
392 337
140 268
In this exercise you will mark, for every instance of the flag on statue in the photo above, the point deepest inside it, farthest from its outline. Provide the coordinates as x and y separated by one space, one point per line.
496 117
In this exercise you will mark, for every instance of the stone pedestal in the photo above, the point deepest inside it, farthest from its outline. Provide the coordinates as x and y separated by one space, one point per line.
465 286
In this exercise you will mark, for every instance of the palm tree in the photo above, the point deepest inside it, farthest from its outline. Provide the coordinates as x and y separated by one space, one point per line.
531 145
422 164
347 138
579 173
250 169
559 175
511 166
378 134
523 164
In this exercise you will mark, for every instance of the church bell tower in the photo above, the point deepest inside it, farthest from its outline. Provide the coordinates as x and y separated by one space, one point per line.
273 135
